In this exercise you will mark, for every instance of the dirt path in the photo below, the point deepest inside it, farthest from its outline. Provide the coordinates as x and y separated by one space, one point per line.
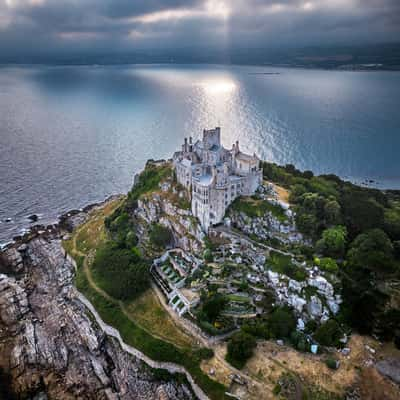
255 388
87 259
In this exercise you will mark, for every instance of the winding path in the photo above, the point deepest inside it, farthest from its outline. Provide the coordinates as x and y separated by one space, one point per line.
170 367
111 331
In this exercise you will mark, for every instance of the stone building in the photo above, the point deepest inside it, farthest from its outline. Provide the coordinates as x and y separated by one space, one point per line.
215 176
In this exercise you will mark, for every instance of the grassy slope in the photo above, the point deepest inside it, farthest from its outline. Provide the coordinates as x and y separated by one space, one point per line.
88 237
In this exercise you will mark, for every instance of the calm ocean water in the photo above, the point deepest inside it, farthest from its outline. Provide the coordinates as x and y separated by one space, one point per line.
70 136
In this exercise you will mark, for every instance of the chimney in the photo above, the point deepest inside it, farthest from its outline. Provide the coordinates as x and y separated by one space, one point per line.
190 140
186 145
237 146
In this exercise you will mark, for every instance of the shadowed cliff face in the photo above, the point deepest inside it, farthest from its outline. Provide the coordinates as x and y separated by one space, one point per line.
49 345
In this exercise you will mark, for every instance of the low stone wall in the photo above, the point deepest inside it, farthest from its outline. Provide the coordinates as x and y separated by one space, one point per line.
170 367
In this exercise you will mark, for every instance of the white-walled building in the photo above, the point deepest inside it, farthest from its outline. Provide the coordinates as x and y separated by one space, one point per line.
215 176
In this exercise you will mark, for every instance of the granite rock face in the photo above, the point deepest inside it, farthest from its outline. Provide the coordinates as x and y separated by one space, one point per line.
49 345
185 229
390 368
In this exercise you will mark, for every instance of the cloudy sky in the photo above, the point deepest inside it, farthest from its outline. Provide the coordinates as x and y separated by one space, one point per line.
106 26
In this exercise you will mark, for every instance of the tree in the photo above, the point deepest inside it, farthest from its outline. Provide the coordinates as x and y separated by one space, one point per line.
120 272
373 250
332 212
130 240
208 255
213 306
333 241
160 235
360 212
306 223
329 333
328 264
282 322
392 223
240 348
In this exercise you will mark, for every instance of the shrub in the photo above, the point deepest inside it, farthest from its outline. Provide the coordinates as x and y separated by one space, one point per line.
281 322
130 240
331 363
333 241
240 349
208 255
299 340
160 235
120 272
257 328
204 353
329 333
147 181
213 306
329 264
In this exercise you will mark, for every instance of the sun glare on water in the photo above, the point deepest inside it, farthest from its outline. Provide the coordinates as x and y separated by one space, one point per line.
217 86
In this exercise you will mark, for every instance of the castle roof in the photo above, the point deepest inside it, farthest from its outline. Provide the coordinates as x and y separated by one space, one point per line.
245 157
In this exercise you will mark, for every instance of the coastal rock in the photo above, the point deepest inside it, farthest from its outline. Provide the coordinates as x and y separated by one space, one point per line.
185 229
390 368
33 218
48 344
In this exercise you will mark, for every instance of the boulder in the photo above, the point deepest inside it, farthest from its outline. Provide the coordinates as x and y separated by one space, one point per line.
33 218
314 307
390 368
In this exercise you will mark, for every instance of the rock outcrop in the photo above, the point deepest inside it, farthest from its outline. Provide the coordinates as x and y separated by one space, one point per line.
185 228
390 368
50 347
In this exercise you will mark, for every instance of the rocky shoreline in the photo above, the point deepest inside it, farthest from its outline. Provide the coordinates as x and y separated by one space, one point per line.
49 346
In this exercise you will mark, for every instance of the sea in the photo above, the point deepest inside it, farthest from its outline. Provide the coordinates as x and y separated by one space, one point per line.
73 135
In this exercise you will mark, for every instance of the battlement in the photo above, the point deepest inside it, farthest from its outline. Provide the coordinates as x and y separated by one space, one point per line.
215 176
211 137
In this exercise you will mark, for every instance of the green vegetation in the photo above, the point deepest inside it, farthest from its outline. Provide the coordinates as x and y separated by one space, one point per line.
155 348
283 264
331 363
333 241
357 230
329 333
160 235
148 181
328 264
240 349
299 341
258 208
213 306
122 273
258 328
281 322
121 229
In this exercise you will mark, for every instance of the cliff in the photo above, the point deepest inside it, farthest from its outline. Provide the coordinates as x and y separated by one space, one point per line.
48 343
158 208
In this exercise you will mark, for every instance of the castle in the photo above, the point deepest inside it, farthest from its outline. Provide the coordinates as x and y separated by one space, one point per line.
215 176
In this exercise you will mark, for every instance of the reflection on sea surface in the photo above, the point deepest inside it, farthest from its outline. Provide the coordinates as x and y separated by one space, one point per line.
73 135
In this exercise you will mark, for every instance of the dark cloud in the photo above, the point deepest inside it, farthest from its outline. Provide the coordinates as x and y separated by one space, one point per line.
106 26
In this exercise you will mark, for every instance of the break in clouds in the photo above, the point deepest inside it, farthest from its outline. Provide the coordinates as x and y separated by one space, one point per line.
46 27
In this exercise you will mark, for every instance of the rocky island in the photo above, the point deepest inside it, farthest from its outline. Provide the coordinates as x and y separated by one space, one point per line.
217 276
